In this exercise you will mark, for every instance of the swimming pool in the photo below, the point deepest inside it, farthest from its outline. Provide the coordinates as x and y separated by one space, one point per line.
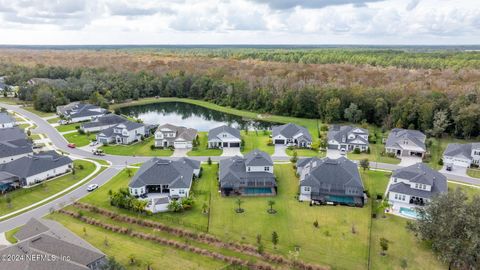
257 191
408 212
340 199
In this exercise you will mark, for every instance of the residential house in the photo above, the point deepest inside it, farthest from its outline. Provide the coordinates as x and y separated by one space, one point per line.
224 137
59 248
35 168
463 155
102 122
176 136
347 138
14 149
414 186
10 134
123 133
292 135
79 112
162 180
6 120
251 175
406 142
330 181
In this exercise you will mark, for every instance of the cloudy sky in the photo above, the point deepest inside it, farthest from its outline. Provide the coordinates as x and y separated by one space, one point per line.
240 22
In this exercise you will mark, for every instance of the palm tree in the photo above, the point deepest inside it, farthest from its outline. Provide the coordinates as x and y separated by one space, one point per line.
271 203
175 206
239 203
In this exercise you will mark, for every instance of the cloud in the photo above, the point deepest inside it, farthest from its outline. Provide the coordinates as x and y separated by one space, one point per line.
311 4
413 4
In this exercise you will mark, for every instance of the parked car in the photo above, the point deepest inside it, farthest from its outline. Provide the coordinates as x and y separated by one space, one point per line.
93 143
343 152
449 167
92 187
98 152
71 145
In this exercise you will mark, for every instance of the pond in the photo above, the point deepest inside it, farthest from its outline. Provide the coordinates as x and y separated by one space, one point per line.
190 115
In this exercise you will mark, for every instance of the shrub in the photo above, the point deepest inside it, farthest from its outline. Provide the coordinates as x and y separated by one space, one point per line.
324 127
80 131
356 151
152 147
315 224
440 162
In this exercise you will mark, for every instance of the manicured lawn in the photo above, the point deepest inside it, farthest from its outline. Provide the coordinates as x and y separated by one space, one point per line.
79 139
8 100
26 196
438 147
375 155
68 127
473 173
101 161
35 137
122 246
39 113
53 120
257 140
470 191
136 149
202 149
9 235
302 152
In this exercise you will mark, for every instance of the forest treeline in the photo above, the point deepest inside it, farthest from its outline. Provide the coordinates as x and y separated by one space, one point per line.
438 59
433 112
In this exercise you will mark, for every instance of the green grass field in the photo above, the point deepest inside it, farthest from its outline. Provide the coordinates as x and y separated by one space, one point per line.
53 120
136 149
257 140
68 127
26 196
302 152
202 149
79 139
474 173
39 113
9 235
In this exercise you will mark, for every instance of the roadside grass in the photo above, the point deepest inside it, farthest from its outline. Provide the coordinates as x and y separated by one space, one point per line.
24 197
303 152
39 113
257 140
202 149
469 190
473 173
9 235
9 100
375 155
53 120
311 124
68 127
79 139
35 137
136 149
100 161
122 246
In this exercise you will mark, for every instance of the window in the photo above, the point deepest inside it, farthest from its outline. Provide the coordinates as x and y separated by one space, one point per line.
306 188
396 196
248 168
181 191
395 180
267 169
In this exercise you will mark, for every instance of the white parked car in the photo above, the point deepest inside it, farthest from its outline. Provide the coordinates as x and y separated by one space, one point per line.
92 187
343 152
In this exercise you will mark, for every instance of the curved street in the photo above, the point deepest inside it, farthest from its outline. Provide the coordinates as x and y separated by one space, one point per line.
117 164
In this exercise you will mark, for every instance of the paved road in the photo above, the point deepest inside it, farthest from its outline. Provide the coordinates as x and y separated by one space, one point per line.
118 163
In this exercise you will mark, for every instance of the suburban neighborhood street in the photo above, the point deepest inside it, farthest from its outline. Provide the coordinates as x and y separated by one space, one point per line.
119 162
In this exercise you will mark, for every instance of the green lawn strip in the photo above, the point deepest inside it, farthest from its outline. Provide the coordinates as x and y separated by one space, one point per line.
79 139
24 197
332 243
193 218
11 101
122 246
469 190
9 235
257 140
473 173
303 152
136 149
68 127
39 113
202 149
311 124
35 137
101 161
53 120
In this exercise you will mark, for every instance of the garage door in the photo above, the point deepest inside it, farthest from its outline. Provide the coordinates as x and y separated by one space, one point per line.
461 163
234 144
279 141
180 145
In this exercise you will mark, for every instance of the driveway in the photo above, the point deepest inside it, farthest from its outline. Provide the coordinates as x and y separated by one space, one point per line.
333 153
230 152
180 152
280 151
456 170
409 160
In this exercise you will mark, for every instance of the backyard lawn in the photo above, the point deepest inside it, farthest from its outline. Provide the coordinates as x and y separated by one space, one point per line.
79 139
202 149
136 149
26 196
257 140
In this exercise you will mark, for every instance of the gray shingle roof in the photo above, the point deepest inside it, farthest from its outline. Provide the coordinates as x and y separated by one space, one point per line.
83 110
15 147
214 132
459 150
108 119
397 135
258 158
330 174
337 133
175 173
187 134
6 118
422 174
34 164
128 125
291 130
10 134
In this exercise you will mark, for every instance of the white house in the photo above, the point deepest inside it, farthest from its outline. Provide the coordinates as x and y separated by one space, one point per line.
176 136
14 149
406 142
36 168
224 137
348 138
6 121
123 133
79 112
462 155
102 122
291 135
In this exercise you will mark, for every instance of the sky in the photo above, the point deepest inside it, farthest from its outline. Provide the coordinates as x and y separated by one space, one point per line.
79 22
